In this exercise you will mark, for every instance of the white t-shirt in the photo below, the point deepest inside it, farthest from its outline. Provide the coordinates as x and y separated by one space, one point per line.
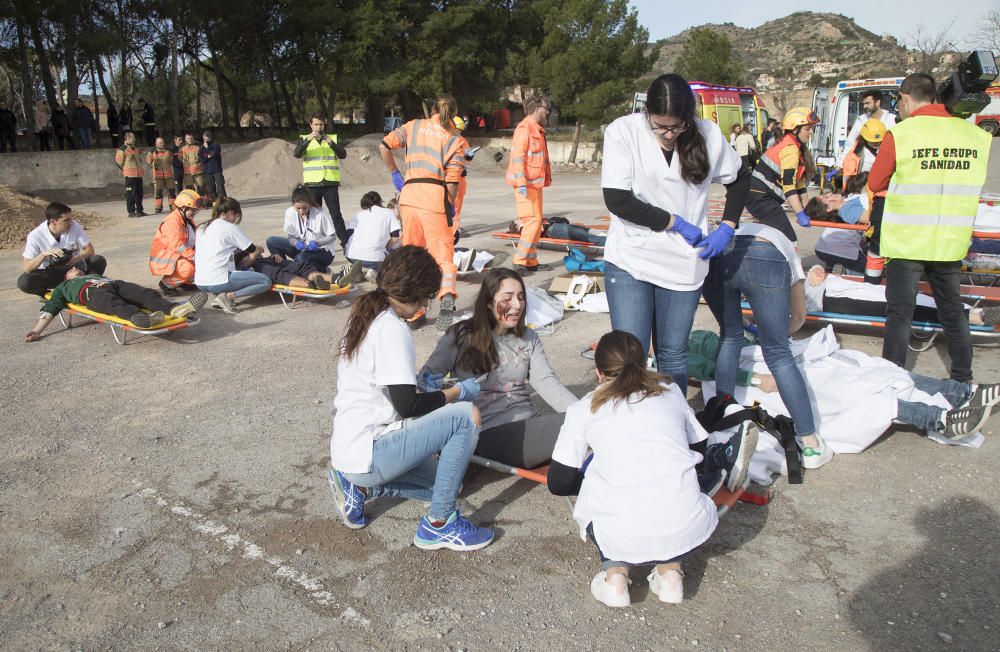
780 242
641 490
213 257
844 243
317 227
362 409
634 161
41 239
372 229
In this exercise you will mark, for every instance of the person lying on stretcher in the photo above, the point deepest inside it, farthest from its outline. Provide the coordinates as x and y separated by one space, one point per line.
119 298
302 274
559 228
830 293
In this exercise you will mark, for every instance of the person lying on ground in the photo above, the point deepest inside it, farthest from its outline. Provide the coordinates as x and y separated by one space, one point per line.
831 293
296 274
560 228
54 246
388 439
309 231
496 347
842 246
372 233
122 299
223 256
639 496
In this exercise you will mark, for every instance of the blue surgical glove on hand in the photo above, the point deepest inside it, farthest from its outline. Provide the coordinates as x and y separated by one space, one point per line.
688 231
470 389
716 241
832 173
397 180
523 191
429 382
299 245
312 246
802 219
586 463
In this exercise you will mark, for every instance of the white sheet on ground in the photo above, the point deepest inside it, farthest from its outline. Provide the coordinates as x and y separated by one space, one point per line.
853 396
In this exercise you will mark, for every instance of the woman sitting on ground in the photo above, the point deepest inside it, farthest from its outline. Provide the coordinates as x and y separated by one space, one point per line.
373 232
309 232
496 347
389 440
223 255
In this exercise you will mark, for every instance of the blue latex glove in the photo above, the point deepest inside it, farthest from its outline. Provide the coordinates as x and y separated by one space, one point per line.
523 191
470 389
832 173
429 382
299 245
397 180
802 219
688 231
312 246
716 241
449 210
586 463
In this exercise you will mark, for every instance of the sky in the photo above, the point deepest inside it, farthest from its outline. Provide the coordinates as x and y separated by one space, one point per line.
900 18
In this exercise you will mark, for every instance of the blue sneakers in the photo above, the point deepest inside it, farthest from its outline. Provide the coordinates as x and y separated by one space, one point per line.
349 500
457 533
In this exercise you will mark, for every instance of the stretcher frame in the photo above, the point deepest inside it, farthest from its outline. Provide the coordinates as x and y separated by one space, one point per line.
119 327
285 291
723 498
553 244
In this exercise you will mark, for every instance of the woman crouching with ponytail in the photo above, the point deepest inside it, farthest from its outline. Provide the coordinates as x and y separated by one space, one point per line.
385 434
639 496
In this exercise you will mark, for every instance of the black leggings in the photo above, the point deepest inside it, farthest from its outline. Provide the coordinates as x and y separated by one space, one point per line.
524 444
123 299
850 306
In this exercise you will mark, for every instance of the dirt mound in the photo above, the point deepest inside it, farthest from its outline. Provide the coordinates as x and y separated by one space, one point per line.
19 214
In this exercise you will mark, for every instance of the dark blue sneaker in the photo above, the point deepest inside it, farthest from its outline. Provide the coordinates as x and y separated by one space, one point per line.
711 481
349 500
457 533
736 455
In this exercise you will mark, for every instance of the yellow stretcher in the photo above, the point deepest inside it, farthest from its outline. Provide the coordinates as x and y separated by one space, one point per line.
120 328
290 294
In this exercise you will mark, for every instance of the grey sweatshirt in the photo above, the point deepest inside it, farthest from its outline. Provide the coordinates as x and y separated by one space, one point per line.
505 396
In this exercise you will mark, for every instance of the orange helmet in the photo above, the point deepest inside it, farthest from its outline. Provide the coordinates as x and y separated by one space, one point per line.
189 199
799 116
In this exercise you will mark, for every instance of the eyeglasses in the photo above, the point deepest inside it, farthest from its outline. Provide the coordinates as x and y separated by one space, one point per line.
663 131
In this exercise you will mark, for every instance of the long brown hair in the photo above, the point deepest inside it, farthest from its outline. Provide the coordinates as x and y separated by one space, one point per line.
408 275
446 108
223 205
475 336
622 360
671 95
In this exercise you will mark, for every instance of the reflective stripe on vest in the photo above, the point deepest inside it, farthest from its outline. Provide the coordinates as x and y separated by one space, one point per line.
769 170
320 162
933 195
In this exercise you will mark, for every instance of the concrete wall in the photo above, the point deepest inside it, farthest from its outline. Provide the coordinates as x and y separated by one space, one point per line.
558 150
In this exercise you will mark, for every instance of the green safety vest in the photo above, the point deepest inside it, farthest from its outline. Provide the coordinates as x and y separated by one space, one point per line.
320 164
933 195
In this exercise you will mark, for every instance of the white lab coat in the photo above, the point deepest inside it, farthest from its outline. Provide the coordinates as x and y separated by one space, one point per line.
633 160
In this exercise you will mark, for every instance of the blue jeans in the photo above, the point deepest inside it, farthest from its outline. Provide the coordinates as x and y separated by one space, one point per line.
403 463
321 258
651 312
84 134
928 417
242 283
758 271
367 264
574 232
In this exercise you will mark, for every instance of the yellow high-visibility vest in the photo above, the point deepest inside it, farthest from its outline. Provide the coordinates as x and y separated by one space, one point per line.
933 195
320 162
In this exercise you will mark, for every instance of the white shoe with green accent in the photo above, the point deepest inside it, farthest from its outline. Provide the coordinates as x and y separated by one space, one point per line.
815 457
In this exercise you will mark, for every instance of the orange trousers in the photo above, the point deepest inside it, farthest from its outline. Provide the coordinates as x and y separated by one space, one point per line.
529 211
430 230
183 273
463 185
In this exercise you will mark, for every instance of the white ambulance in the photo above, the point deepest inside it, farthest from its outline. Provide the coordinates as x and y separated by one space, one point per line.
839 107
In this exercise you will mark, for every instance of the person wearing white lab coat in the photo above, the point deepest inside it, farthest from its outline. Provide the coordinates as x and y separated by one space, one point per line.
657 169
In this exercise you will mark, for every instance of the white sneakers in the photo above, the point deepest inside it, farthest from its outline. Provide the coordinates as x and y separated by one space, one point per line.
613 593
669 587
815 457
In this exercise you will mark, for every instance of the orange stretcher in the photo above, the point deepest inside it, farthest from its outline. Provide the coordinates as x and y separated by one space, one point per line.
120 328
286 291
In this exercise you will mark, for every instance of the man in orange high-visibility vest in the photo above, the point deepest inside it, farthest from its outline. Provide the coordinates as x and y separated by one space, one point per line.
529 171
427 190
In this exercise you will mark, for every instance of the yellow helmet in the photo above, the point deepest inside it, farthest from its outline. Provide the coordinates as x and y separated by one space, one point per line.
873 131
459 123
188 199
799 116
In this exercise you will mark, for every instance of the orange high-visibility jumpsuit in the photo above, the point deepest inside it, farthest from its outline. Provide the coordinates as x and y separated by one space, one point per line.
171 255
463 186
194 172
529 168
434 158
161 162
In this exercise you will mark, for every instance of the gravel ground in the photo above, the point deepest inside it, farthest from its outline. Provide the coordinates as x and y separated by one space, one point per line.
171 494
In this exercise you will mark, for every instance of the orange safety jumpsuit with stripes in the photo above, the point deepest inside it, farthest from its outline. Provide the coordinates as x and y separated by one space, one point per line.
171 255
433 160
194 177
463 186
127 159
529 168
161 162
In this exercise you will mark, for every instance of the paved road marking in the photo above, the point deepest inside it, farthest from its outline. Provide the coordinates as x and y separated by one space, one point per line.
249 550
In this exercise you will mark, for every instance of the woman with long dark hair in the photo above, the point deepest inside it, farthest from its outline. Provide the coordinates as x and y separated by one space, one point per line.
658 166
497 346
388 439
223 255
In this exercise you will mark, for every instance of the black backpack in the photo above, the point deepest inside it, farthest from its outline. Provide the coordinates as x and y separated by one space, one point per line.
713 419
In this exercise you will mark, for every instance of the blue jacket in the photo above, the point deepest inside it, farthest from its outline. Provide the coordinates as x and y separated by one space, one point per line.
211 157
